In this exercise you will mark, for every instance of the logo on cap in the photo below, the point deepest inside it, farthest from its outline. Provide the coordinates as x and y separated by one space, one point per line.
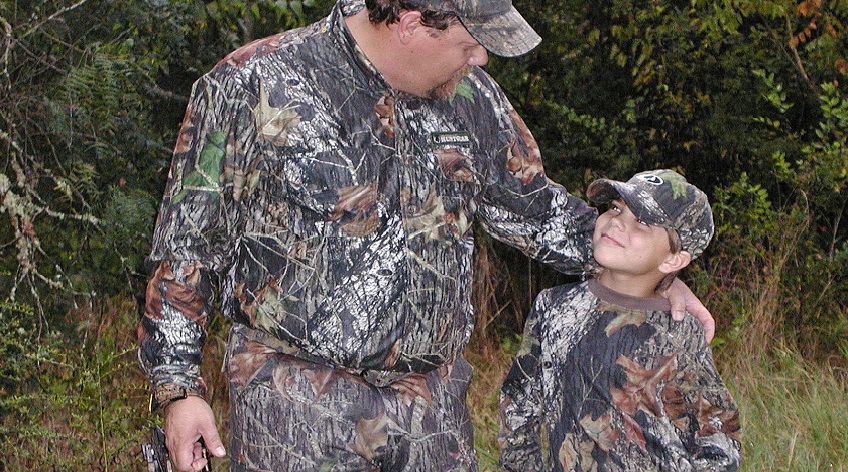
651 179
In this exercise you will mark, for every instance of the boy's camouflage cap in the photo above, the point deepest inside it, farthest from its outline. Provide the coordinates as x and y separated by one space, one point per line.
663 198
495 24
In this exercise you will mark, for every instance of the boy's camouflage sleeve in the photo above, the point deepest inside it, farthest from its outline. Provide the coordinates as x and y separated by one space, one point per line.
520 435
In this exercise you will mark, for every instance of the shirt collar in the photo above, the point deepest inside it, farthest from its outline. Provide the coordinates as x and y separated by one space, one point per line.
627 301
372 78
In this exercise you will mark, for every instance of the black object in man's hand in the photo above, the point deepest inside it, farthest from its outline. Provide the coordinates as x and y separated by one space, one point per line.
156 453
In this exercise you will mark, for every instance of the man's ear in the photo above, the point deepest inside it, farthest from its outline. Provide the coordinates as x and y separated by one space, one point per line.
676 262
406 26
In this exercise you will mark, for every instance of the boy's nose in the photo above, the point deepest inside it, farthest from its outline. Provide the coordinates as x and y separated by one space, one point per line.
617 221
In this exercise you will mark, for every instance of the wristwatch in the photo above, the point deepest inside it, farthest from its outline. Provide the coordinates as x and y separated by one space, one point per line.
167 393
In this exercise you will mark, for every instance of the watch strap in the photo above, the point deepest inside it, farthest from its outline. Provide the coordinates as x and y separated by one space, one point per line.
167 393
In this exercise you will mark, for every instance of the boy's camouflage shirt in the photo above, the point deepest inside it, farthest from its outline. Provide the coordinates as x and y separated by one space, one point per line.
336 212
609 382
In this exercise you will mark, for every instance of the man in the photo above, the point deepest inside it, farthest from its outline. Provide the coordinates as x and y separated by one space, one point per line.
329 176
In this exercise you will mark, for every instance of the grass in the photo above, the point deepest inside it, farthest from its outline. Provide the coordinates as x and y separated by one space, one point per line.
490 367
84 405
793 413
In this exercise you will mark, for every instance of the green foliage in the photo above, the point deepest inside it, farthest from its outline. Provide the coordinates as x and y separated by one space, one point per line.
69 403
671 80
743 212
93 94
766 273
810 185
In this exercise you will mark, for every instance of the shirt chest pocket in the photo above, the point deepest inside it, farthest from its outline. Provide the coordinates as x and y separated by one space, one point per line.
446 197
335 185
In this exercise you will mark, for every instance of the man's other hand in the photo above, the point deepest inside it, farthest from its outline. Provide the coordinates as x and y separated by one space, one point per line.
682 300
186 422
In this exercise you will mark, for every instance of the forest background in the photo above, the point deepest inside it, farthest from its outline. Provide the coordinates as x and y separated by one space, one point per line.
748 98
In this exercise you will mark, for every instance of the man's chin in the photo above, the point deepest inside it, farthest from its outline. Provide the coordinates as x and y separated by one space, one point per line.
443 92
448 89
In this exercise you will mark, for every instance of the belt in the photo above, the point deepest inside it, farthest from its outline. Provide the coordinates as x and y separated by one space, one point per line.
378 378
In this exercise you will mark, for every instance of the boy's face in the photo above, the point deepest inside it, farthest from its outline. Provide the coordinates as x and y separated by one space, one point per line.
624 244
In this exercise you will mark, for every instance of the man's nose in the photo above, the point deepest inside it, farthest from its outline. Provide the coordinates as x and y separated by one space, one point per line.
479 56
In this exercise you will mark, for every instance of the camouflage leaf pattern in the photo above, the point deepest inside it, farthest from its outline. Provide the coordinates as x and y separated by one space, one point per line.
618 386
678 183
206 174
297 415
317 200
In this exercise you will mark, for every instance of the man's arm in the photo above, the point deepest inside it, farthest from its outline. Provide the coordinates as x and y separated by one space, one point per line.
193 240
524 209
172 332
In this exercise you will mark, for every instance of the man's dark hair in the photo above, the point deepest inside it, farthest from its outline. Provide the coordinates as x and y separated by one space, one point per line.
389 11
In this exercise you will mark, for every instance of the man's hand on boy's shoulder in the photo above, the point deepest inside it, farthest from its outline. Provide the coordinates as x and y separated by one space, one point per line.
682 300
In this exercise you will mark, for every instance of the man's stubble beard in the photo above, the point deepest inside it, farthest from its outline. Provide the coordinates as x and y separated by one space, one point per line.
448 88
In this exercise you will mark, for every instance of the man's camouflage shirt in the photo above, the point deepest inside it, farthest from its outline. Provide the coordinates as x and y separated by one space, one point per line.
609 382
334 214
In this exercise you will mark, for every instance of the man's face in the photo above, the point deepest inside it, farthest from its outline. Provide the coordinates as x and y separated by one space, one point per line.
441 59
627 245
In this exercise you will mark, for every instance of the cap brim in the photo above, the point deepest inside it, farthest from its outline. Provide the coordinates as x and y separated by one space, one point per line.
640 203
506 35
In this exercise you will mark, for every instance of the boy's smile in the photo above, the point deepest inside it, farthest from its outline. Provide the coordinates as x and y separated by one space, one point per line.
607 237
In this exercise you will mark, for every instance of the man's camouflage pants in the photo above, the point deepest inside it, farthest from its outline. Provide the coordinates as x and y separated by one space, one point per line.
289 414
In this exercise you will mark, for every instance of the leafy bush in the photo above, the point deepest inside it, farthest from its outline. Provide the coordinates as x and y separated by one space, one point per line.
93 94
70 402
747 98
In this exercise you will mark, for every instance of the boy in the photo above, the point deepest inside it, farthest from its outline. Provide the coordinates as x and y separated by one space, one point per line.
616 384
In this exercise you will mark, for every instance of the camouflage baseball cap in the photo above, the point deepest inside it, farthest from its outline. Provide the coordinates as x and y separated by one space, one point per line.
495 24
663 198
